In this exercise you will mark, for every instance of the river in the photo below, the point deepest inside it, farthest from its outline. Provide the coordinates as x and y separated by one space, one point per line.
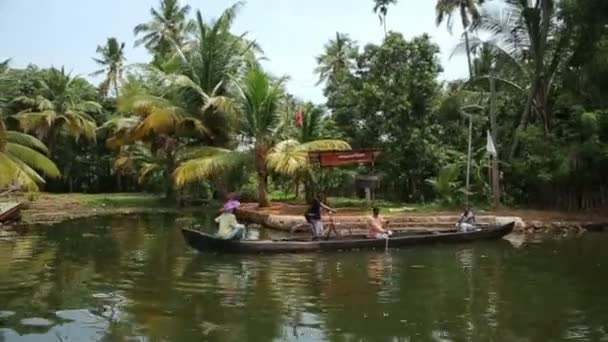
134 279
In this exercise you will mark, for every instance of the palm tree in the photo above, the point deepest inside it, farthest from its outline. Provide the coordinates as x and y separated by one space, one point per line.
523 31
381 9
468 13
112 62
58 107
20 155
338 58
168 28
259 104
205 69
290 157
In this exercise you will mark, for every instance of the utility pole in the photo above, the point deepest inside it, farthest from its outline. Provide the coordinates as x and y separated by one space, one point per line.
494 159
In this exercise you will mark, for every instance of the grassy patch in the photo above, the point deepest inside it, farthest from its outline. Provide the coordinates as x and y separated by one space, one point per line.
388 206
121 200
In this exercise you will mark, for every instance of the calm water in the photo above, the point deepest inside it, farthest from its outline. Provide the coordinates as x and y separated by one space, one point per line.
124 279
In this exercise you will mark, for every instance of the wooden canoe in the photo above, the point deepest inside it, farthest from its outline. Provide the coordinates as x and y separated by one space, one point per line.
10 212
204 242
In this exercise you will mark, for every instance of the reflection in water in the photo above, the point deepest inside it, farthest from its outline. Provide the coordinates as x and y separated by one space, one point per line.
133 278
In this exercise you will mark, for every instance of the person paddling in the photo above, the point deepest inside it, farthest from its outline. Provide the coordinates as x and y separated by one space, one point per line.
313 215
466 223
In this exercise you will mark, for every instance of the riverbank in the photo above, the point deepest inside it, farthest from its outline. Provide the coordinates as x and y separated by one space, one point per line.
284 216
46 208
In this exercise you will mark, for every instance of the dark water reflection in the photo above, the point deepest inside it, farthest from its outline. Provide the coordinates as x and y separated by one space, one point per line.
133 278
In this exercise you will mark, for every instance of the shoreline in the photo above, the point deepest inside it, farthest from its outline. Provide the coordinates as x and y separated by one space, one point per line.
48 209
284 216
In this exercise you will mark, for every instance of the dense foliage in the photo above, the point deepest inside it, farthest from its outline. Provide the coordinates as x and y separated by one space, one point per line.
203 117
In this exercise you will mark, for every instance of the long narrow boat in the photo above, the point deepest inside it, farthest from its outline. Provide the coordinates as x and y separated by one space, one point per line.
207 242
10 212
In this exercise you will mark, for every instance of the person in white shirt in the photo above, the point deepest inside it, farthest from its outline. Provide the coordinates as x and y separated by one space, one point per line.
229 227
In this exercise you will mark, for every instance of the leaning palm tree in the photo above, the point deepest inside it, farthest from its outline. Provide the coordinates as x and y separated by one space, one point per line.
469 12
59 107
338 58
259 99
169 27
112 62
381 9
20 156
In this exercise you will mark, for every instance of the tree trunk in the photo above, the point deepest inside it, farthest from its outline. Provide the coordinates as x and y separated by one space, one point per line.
494 130
384 23
116 89
261 151
467 46
524 119
169 147
118 182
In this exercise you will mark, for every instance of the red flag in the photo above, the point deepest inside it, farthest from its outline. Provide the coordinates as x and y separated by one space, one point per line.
300 118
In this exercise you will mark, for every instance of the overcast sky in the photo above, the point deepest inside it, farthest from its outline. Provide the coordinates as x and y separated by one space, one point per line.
291 32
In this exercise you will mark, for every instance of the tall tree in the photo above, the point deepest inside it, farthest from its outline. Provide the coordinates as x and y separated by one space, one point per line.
168 28
205 68
112 60
338 59
525 27
468 11
59 107
381 9
259 99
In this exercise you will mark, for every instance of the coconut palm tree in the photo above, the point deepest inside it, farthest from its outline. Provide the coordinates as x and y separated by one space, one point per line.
168 28
205 69
523 30
338 58
381 9
59 107
469 12
259 99
20 156
290 156
112 62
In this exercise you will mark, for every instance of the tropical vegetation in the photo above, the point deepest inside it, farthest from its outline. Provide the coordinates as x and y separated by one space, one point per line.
204 118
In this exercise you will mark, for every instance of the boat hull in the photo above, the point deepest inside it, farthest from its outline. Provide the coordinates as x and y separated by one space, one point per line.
208 243
10 212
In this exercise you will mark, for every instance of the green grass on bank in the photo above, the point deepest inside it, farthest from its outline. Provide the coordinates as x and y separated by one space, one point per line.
387 206
119 200
144 200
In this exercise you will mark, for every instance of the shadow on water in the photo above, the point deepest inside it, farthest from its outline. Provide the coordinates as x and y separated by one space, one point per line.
133 277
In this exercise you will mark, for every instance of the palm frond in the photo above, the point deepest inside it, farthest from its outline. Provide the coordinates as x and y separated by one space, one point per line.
198 169
34 159
25 140
290 157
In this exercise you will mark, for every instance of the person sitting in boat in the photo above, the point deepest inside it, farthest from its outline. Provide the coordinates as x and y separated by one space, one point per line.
376 226
313 215
229 228
466 223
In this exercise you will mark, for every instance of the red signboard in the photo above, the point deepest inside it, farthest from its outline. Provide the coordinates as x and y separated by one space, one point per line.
340 158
